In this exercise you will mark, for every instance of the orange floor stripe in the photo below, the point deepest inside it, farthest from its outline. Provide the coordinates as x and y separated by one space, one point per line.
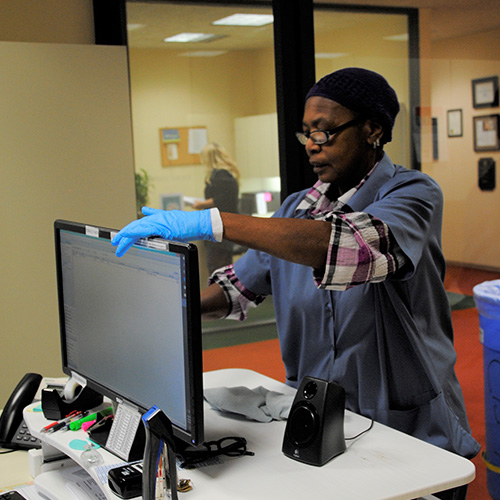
263 357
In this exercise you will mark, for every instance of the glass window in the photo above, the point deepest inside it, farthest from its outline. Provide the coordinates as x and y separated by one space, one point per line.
375 41
219 88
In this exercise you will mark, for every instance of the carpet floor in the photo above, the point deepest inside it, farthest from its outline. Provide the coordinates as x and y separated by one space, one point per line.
255 346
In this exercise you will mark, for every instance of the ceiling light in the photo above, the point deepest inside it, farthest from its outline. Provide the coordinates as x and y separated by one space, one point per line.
135 26
330 55
397 38
189 37
203 53
245 20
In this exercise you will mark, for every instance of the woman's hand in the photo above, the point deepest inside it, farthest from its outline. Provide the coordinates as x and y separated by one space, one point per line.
174 225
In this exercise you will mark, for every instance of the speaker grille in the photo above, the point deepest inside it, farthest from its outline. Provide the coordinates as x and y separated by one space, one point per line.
304 424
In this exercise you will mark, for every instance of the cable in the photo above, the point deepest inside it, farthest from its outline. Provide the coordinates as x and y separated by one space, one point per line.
6 451
361 433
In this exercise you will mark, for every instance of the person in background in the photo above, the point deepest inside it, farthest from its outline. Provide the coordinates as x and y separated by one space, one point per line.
221 191
354 266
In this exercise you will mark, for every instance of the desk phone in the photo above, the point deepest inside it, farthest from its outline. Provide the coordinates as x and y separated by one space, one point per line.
13 431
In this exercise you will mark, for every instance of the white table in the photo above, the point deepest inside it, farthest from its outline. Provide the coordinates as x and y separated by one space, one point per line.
381 464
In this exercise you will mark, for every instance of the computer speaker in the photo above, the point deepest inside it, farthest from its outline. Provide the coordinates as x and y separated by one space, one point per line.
314 432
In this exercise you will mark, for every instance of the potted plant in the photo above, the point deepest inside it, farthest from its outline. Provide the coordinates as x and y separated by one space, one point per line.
142 185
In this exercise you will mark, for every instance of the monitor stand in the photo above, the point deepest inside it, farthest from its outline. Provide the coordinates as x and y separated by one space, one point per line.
56 477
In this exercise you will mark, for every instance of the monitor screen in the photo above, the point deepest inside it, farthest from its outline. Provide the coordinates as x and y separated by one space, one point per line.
131 326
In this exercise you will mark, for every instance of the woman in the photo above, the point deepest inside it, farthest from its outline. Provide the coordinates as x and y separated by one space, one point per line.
221 191
354 266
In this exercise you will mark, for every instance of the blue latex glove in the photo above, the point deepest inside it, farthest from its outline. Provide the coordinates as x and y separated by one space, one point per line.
174 225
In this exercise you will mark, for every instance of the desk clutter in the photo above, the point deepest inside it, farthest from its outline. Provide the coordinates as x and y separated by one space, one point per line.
313 435
315 429
259 404
145 442
370 468
55 406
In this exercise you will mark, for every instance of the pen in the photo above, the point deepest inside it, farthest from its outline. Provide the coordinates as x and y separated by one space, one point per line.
55 426
48 427
77 424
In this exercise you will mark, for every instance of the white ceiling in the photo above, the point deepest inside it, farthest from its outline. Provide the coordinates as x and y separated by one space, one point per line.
449 18
162 20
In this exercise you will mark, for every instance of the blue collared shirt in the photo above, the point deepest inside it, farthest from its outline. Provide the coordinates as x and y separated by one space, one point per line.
390 343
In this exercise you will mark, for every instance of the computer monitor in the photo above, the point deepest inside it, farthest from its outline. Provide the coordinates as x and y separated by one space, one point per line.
131 326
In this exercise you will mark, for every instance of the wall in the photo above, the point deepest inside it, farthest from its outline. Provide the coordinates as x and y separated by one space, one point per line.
66 153
471 225
47 21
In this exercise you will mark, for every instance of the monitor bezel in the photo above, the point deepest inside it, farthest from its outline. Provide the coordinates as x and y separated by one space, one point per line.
195 435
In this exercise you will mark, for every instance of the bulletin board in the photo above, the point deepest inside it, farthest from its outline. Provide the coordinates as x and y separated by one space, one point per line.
182 145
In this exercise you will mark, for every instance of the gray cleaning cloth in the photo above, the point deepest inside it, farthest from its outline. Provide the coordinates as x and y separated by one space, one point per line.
258 404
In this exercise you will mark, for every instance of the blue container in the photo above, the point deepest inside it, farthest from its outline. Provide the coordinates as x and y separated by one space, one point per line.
487 299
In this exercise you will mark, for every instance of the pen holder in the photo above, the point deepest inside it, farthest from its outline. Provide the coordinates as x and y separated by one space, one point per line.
99 431
55 407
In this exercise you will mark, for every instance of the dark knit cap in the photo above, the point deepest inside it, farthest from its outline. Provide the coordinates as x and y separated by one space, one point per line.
361 91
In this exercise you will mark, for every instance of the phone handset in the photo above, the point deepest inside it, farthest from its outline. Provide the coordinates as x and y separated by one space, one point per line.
12 414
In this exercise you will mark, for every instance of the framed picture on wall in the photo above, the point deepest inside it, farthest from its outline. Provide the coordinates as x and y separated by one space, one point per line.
455 123
486 136
485 92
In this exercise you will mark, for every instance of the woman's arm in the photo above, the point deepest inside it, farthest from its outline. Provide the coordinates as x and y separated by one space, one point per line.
298 240
214 304
302 241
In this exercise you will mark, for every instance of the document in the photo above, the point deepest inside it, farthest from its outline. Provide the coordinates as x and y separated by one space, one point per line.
197 140
67 483
191 200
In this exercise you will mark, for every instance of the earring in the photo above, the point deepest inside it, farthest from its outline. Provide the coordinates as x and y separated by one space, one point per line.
376 144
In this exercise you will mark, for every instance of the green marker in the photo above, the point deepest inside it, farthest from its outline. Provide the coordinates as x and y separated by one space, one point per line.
77 424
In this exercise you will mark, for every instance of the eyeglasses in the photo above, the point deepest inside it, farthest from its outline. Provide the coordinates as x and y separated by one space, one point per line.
229 446
323 136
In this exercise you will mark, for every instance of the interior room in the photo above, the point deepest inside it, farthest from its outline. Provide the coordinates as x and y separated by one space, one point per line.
83 126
